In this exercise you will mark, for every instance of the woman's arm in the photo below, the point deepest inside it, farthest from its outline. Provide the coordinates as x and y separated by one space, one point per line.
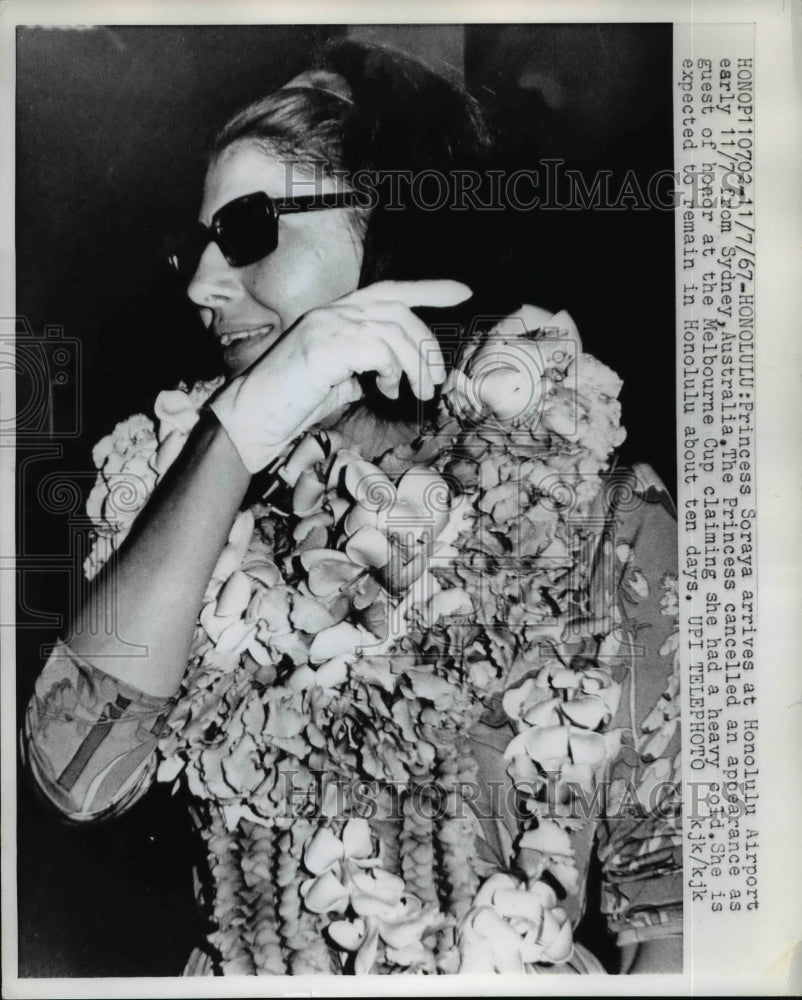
158 580
100 702
155 585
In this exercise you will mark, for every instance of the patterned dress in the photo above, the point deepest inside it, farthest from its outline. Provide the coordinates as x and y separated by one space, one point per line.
92 745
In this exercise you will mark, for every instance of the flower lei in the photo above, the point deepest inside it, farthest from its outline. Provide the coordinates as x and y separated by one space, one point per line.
356 625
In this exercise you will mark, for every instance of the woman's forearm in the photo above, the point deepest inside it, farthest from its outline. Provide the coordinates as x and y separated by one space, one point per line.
138 622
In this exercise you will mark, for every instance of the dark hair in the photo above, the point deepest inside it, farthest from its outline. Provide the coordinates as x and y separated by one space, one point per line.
370 110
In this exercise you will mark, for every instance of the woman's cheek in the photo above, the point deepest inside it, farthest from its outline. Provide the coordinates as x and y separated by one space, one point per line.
304 272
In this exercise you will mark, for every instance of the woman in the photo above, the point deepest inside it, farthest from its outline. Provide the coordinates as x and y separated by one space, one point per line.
384 547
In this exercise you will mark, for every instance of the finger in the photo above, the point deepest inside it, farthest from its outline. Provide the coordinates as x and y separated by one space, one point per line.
386 348
425 342
378 335
347 392
404 341
439 293
341 394
396 353
351 311
388 385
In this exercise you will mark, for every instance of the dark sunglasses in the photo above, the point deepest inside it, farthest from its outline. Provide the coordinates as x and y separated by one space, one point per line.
246 229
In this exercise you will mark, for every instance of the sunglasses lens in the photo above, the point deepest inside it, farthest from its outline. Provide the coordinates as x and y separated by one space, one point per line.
247 230
183 252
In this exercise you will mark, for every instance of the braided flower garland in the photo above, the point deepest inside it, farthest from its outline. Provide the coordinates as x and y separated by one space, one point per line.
355 626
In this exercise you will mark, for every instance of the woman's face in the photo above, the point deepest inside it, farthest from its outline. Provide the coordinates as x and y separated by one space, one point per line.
317 260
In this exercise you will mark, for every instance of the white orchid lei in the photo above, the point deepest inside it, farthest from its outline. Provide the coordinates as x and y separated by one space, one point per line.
356 624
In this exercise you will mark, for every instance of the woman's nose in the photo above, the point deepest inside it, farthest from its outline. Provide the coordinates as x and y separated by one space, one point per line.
214 280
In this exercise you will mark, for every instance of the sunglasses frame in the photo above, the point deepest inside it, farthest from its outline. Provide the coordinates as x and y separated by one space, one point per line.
202 235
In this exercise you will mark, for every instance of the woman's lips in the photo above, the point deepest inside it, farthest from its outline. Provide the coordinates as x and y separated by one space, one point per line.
249 333
240 348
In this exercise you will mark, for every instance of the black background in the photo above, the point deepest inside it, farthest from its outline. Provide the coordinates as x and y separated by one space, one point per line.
111 128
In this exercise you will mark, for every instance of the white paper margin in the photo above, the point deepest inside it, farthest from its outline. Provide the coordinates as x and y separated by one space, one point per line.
762 964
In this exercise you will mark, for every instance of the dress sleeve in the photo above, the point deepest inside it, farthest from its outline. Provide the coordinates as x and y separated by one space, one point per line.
640 838
90 739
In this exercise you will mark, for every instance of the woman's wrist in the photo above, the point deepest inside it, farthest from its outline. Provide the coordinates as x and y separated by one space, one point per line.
213 437
261 419
233 409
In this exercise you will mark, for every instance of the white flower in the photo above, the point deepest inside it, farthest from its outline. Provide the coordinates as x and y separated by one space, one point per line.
346 876
508 376
511 925
178 409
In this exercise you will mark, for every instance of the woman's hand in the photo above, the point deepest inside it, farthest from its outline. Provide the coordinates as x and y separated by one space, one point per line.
312 370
